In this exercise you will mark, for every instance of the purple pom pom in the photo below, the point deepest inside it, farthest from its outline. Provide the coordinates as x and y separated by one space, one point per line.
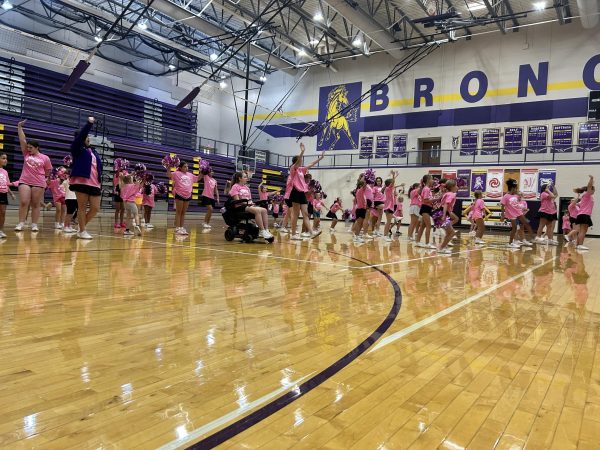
170 161
120 164
147 178
204 167
139 167
68 160
369 176
277 198
162 188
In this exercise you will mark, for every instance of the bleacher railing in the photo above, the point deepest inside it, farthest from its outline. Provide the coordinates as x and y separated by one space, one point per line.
457 157
22 106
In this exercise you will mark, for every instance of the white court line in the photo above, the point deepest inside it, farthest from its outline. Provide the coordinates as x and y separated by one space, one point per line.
418 259
217 423
416 326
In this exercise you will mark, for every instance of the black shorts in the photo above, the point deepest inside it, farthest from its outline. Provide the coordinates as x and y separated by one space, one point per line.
388 211
547 216
369 203
206 201
311 209
71 205
183 199
584 219
275 215
3 198
298 197
85 189
572 220
117 198
425 209
263 203
378 204
331 215
361 213
288 202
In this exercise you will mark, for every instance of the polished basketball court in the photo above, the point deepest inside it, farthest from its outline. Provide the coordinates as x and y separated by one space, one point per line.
157 342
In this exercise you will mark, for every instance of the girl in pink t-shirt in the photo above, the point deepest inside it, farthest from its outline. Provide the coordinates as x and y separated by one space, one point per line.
298 195
478 212
584 216
566 223
183 184
287 213
149 191
240 191
210 197
414 208
118 201
512 211
332 213
32 183
317 203
426 198
573 210
4 192
547 214
389 201
361 210
129 192
448 201
58 197
398 213
378 206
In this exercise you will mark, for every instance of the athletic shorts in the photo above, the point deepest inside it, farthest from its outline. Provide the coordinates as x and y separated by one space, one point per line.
117 198
92 191
316 214
298 197
415 210
288 202
584 219
547 216
425 209
131 207
206 201
378 204
183 199
3 198
361 213
331 215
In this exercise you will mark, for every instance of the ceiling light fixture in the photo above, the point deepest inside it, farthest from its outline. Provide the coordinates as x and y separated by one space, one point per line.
539 6
357 42
143 25
223 85
318 17
474 6
313 42
301 52
263 78
172 67
98 39
213 56
7 5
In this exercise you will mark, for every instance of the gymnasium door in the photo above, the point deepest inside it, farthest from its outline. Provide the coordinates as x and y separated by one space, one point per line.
430 152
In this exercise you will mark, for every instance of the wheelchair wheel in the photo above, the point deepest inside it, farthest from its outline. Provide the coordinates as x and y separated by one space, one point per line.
229 234
247 238
270 240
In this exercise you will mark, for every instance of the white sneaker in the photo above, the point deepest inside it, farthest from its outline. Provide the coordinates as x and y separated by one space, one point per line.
445 251
138 230
387 239
296 237
410 238
205 225
479 241
83 235
526 243
539 240
284 230
266 234
420 244
305 234
552 242
19 227
57 226
2 235
581 247
149 226
567 239
367 236
472 233
431 246
34 227
358 239
449 244
514 245
315 233
516 241
69 230
183 231
126 233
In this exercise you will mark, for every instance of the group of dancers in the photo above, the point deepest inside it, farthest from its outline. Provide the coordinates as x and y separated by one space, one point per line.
375 201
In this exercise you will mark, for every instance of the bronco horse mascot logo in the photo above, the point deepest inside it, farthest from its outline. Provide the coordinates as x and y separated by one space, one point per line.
337 123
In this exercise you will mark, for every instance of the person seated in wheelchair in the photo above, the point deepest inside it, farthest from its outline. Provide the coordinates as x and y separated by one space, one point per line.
240 191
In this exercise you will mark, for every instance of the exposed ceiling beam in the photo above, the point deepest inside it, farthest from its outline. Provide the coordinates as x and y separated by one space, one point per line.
375 31
179 13
494 15
512 13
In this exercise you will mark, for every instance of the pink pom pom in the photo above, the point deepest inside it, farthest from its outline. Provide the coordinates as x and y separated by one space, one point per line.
170 161
68 160
204 167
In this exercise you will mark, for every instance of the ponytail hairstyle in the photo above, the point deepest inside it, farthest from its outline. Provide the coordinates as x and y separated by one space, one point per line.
424 182
148 189
544 187
360 184
235 179
389 182
413 187
583 189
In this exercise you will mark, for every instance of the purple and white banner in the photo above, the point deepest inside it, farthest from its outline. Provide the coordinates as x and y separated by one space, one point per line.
382 146
546 177
468 142
562 138
537 136
589 137
399 146
513 140
366 147
464 189
478 181
490 141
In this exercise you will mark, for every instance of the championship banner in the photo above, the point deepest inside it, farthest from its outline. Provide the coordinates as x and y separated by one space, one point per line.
478 181
382 146
546 177
468 142
399 145
513 140
449 174
537 136
529 183
464 191
562 138
495 183
589 137
366 147
490 141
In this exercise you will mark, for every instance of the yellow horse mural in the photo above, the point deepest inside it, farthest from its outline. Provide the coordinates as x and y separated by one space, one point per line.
337 100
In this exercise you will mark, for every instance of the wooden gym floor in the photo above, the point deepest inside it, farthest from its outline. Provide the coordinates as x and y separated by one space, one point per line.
157 342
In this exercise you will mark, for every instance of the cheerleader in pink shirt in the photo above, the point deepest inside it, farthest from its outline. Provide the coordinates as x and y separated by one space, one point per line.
183 183
414 210
361 210
58 197
425 211
547 214
573 210
566 223
129 191
149 192
389 200
512 211
398 212
378 206
584 216
332 214
448 201
317 208
478 211
32 183
4 192
210 197
298 194
287 206
240 191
